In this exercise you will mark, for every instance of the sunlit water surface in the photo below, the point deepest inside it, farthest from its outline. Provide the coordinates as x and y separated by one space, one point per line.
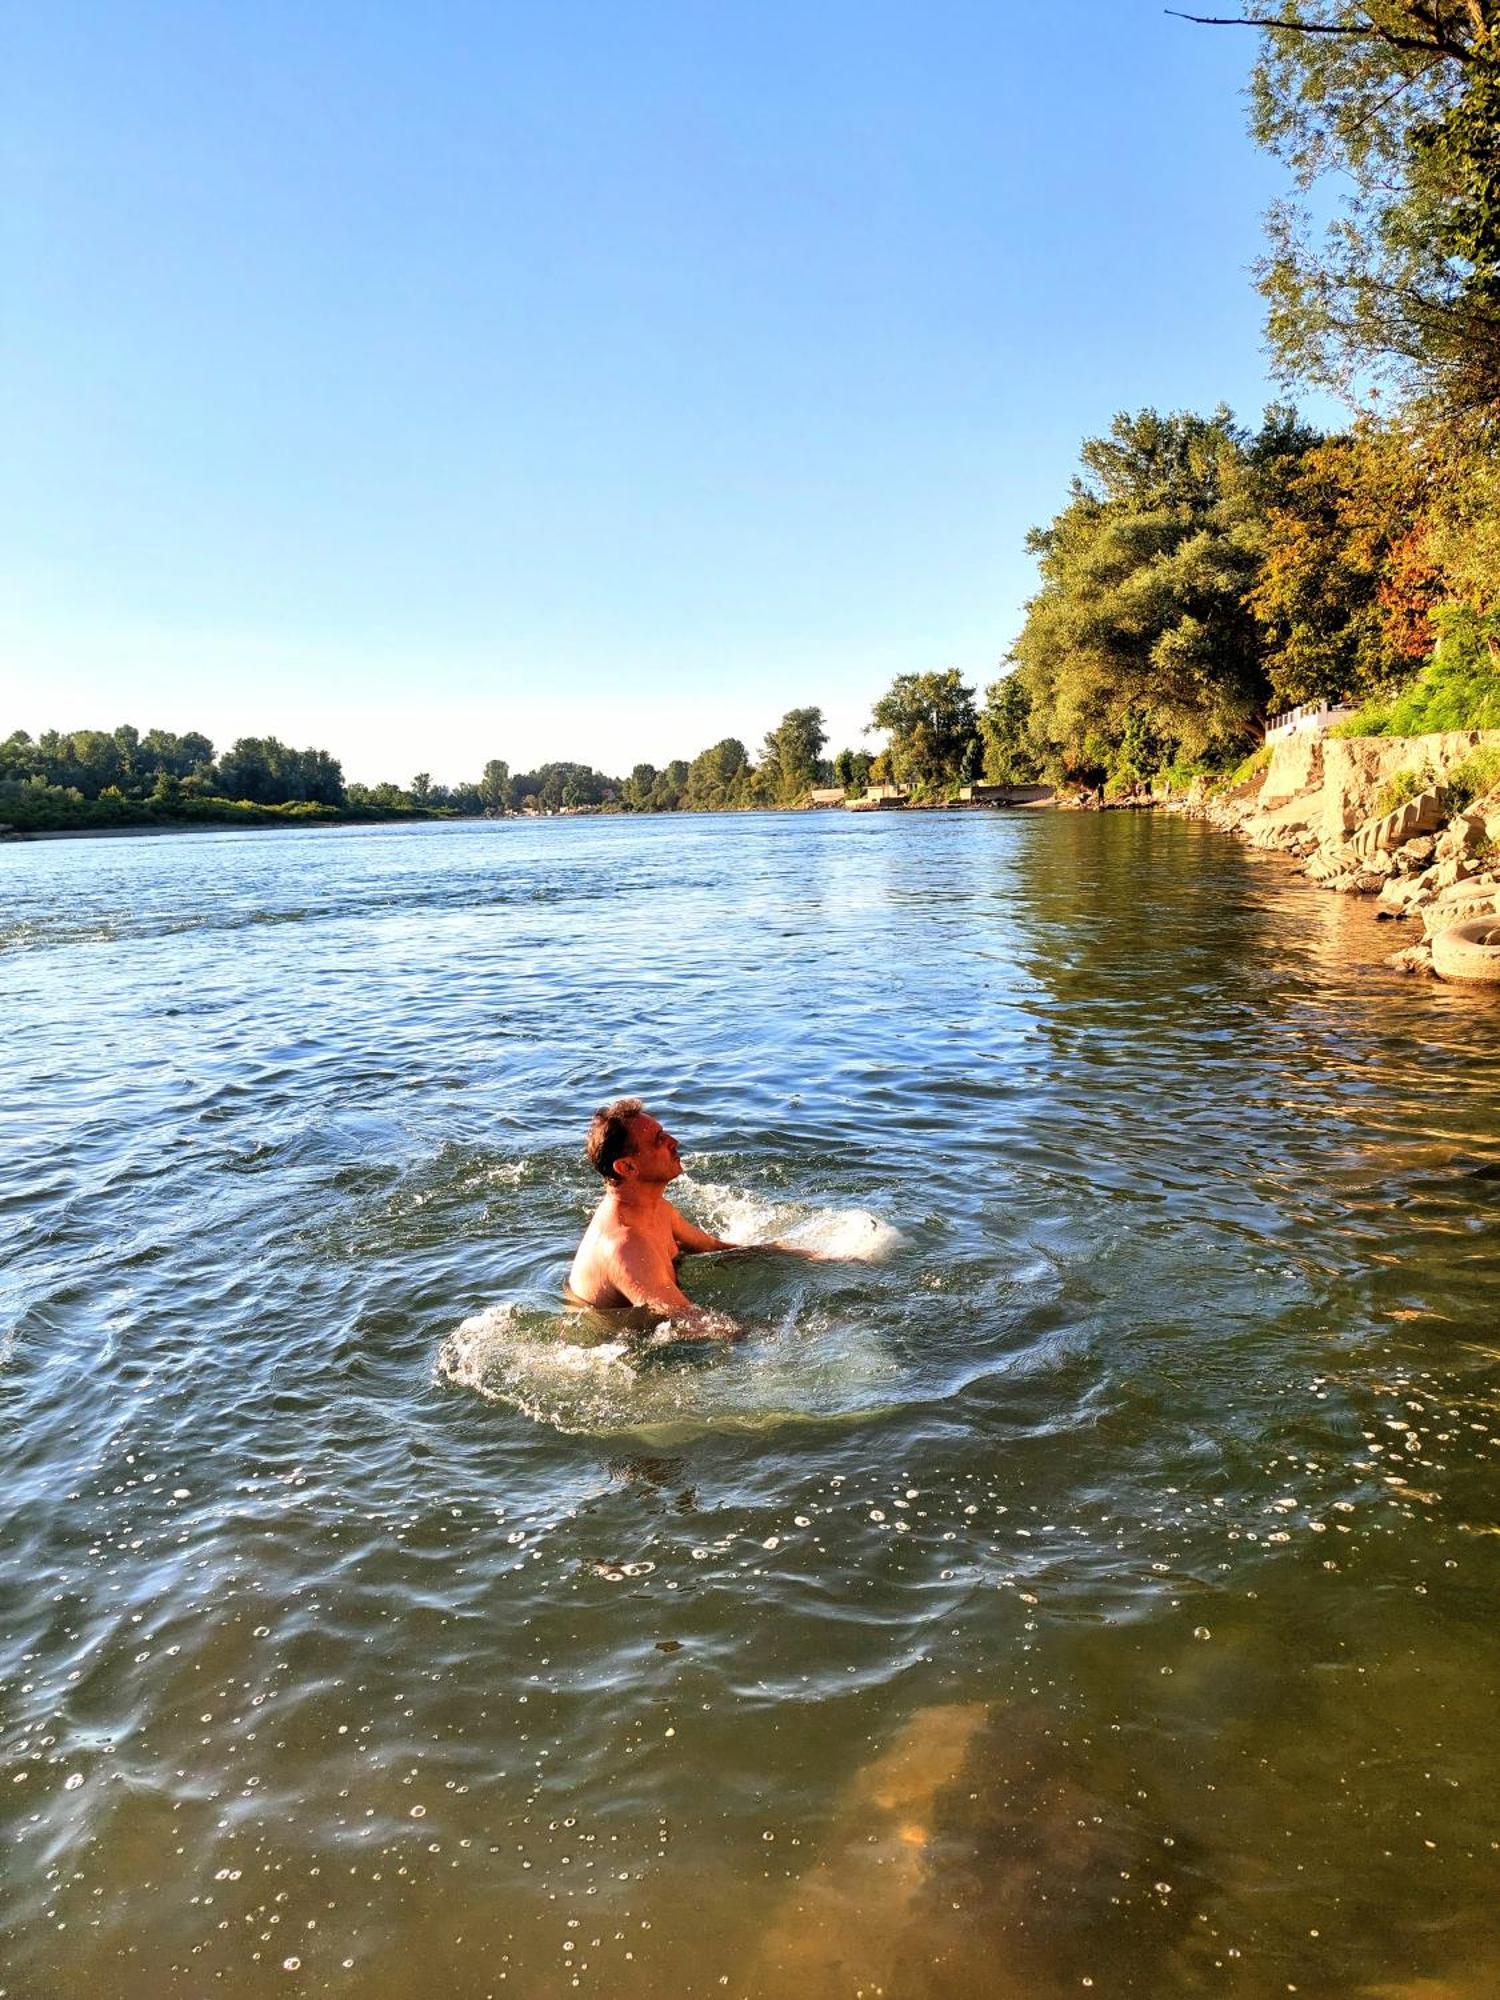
1089 1585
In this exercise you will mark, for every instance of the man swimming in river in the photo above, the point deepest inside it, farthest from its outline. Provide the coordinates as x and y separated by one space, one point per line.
631 1248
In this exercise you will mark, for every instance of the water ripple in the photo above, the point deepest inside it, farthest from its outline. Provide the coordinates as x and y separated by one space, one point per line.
1090 1576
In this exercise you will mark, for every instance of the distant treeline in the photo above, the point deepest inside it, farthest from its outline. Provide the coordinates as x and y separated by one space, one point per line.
98 778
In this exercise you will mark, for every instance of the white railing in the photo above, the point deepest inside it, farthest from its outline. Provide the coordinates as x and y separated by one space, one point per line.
1308 715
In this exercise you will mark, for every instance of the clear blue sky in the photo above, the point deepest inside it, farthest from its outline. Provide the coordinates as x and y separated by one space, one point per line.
446 380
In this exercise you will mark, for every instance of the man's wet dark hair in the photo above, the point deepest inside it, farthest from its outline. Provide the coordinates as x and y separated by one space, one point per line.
609 1134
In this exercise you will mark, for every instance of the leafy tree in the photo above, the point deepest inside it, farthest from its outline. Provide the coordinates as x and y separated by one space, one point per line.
851 769
160 750
88 758
1395 105
1004 728
789 757
494 785
421 788
1142 617
267 772
1463 525
1348 581
17 756
668 787
635 793
718 777
933 729
554 786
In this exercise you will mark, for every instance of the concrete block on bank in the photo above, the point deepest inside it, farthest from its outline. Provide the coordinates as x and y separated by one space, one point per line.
1290 821
1461 902
1413 817
1296 768
1357 768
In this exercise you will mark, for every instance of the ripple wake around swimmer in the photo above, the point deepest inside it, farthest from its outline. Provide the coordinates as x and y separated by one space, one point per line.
576 1372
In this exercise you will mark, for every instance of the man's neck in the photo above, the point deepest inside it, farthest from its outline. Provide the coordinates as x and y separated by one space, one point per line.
633 1199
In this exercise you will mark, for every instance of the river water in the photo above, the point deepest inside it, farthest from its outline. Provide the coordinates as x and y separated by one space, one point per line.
1083 1581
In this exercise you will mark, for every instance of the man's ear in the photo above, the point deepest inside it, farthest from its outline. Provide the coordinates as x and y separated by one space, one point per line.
625 1168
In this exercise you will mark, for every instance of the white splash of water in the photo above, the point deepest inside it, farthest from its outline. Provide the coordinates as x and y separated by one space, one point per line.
845 1235
473 1345
655 1383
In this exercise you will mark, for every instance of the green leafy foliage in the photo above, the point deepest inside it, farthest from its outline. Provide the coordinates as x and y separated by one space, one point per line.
1474 779
851 769
1140 648
1373 718
1259 760
1346 584
1010 752
789 757
719 779
1404 785
933 728
1460 689
494 785
1394 109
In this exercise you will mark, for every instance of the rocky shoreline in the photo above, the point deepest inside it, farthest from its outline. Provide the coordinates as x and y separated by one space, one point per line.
1431 859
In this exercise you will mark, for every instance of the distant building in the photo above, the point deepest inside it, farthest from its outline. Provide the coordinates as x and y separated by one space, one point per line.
1314 716
1005 795
823 796
878 795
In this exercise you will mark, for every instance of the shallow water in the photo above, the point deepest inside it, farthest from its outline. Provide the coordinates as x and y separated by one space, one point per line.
1091 1587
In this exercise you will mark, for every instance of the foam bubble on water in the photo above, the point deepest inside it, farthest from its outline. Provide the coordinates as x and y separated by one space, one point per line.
847 1234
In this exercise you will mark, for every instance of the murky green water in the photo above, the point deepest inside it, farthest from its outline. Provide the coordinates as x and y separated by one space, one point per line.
1092 1591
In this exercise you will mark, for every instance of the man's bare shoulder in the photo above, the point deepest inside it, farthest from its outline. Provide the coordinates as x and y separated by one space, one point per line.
592 1276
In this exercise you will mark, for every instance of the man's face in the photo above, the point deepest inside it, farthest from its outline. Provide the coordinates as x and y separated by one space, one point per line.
654 1157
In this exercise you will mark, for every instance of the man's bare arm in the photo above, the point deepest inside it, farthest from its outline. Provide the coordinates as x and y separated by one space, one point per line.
637 1271
692 1240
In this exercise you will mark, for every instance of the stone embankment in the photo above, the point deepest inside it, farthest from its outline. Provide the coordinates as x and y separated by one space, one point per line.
1426 864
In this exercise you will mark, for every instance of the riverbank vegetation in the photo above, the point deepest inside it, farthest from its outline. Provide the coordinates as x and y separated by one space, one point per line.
98 780
1204 574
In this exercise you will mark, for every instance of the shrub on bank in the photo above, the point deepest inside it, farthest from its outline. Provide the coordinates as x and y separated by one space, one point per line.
31 805
1404 785
1251 766
1459 688
1220 782
1475 778
1373 719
